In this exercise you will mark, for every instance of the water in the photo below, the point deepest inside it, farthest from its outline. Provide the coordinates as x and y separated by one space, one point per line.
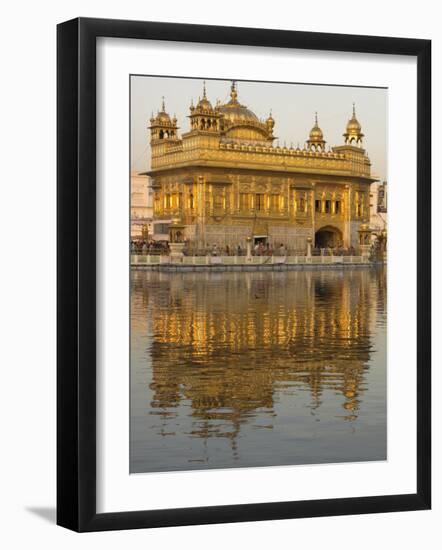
257 368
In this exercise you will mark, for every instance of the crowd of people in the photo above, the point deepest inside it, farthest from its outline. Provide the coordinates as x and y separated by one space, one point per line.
143 247
334 251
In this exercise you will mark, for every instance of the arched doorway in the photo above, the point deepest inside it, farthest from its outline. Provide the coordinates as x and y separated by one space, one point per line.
328 237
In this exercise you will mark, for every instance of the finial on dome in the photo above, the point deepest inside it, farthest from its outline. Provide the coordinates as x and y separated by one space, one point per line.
316 118
204 89
354 110
163 105
233 92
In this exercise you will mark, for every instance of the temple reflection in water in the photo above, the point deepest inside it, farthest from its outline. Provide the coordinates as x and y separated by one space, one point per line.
259 368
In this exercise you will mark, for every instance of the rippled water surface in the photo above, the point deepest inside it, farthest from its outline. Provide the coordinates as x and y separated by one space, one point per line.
257 368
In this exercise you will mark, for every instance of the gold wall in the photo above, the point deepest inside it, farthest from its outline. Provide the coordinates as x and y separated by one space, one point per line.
224 206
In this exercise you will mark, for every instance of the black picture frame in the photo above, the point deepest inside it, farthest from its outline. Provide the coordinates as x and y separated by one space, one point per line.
76 274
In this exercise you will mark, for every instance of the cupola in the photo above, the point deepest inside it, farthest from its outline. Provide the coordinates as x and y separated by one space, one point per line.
353 134
316 140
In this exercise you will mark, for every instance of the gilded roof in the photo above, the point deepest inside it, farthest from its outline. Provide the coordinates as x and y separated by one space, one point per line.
234 112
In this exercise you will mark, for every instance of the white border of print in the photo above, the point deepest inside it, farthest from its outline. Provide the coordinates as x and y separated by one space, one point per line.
116 489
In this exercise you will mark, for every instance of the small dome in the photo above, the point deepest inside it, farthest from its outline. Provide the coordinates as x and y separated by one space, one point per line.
204 104
353 126
316 140
163 117
316 132
353 131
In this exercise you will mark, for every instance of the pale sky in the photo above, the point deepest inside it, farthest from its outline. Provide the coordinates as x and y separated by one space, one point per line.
293 108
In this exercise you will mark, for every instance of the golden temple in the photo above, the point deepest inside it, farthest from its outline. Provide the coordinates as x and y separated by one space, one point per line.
225 180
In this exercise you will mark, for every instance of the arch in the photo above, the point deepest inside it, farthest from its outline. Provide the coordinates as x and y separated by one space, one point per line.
328 237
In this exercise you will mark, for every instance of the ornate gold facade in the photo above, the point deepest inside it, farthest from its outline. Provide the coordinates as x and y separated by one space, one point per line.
226 180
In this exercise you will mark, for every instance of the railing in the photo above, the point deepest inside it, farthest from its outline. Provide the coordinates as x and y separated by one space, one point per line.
246 260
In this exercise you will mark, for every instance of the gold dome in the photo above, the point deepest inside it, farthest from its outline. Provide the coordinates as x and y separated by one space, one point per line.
316 132
234 112
204 104
353 131
162 116
353 126
316 137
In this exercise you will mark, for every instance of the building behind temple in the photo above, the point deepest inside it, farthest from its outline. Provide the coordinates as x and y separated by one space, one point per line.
141 211
224 180
378 206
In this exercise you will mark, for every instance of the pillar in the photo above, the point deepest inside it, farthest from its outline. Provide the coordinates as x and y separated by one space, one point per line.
249 249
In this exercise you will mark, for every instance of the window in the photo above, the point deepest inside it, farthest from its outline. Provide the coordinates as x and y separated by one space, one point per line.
337 207
301 204
167 201
259 201
244 201
359 200
218 202
274 202
327 207
317 205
